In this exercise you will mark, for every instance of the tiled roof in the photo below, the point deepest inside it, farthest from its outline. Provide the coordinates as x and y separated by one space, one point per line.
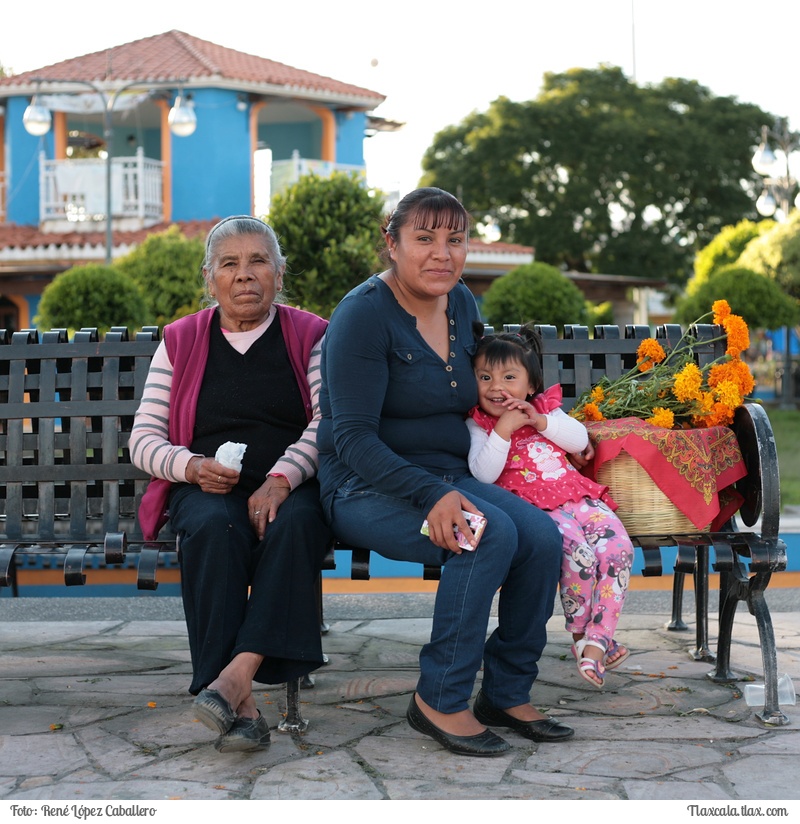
175 54
30 238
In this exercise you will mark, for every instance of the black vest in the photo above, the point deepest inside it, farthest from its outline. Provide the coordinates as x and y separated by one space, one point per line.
251 399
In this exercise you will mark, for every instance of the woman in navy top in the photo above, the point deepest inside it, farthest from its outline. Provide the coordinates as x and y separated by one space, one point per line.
397 384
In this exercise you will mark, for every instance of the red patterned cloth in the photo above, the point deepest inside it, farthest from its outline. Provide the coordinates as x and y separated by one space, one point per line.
694 468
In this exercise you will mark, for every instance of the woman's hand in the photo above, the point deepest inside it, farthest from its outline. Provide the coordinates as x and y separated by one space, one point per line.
264 503
211 476
445 518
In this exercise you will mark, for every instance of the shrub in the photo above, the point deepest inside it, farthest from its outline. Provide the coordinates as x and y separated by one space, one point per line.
167 267
760 301
725 249
329 229
777 254
92 295
534 293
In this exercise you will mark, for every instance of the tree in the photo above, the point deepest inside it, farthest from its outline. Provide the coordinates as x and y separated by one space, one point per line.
776 253
329 229
725 249
602 175
534 293
92 295
167 267
760 301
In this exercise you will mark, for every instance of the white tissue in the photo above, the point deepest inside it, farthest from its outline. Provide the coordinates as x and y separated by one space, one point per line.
230 455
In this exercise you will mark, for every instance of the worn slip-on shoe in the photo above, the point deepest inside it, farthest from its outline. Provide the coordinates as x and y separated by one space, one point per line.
212 709
246 734
485 744
546 730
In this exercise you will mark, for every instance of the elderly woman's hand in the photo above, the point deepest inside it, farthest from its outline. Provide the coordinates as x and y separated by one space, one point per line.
211 476
446 516
264 503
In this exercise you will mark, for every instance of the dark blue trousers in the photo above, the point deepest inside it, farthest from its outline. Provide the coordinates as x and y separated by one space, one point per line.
245 595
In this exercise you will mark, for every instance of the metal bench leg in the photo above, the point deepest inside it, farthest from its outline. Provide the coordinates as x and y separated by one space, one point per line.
677 624
771 714
293 720
702 652
731 584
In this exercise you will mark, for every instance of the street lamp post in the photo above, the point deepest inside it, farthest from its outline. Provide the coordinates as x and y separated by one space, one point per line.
776 200
182 123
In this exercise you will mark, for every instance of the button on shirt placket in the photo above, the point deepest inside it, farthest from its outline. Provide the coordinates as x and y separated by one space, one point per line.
449 367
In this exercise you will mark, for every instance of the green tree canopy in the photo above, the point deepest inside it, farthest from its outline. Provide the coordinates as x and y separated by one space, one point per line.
167 267
776 253
760 301
329 229
534 293
602 175
725 249
91 296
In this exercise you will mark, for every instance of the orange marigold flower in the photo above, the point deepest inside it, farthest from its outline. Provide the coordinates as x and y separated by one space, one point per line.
728 394
720 415
687 383
591 412
734 370
598 394
738 335
721 310
650 352
662 417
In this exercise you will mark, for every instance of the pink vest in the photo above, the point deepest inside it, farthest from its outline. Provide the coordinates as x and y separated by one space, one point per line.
187 341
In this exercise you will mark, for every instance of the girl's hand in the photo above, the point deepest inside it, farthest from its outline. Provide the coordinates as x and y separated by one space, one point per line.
445 518
518 413
211 476
580 459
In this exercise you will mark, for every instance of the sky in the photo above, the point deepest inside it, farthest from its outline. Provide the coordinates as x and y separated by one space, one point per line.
438 61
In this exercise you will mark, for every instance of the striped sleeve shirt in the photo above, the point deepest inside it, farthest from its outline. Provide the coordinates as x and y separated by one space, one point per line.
152 452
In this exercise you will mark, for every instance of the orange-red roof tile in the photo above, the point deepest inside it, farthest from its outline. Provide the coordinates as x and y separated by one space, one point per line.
175 54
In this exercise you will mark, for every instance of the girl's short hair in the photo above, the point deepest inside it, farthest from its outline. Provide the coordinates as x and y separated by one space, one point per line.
523 347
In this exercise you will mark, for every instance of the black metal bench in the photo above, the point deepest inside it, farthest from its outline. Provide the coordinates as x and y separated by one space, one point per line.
69 493
745 559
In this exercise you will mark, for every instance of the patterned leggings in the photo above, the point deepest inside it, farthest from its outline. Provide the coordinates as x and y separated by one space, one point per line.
595 568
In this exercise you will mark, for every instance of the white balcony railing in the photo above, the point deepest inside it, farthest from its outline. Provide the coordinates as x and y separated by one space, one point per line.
73 192
286 172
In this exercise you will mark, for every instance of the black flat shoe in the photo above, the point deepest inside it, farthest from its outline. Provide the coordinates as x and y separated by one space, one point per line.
245 735
547 730
212 709
485 744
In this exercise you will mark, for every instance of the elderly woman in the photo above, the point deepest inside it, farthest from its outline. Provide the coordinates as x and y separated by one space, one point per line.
397 384
246 371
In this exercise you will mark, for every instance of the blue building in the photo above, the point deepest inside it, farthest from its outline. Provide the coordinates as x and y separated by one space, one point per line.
166 130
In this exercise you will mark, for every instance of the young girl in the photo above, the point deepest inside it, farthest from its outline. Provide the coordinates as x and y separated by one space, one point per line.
520 437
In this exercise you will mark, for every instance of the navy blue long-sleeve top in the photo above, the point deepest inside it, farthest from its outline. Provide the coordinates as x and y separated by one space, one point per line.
392 410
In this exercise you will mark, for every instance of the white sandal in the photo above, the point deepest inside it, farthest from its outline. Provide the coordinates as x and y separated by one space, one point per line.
589 666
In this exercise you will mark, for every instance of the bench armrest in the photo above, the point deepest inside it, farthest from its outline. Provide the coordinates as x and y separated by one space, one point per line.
760 488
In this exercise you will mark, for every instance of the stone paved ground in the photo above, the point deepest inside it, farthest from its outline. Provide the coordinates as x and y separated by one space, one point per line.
98 709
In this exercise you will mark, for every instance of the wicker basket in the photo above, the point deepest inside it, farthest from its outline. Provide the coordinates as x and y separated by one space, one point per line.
643 508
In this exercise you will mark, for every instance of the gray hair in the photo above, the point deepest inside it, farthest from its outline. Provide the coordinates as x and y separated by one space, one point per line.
235 226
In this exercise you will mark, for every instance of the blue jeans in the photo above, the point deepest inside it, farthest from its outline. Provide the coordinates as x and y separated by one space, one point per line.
520 551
